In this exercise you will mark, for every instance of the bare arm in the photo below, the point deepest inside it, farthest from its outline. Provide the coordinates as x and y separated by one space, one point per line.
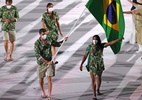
43 25
113 42
8 20
58 24
137 12
83 60
127 12
134 4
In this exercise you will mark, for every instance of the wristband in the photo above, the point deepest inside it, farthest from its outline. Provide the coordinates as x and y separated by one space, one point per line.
39 58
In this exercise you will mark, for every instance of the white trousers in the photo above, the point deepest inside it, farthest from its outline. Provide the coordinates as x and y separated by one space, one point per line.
133 33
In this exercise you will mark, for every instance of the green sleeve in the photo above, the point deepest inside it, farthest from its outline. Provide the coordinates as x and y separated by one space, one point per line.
16 13
0 13
88 49
56 15
43 18
37 50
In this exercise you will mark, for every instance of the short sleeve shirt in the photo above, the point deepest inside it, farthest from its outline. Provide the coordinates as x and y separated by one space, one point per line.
96 64
8 14
44 50
50 21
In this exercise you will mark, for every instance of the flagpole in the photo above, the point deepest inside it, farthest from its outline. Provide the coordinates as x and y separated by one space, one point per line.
69 33
66 36
76 22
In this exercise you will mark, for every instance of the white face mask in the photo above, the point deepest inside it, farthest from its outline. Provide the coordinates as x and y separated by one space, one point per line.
95 41
50 9
43 36
8 6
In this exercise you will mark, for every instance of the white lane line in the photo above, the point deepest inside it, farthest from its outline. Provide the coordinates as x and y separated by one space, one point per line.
62 5
131 58
133 74
28 8
12 79
24 31
62 86
11 64
129 48
73 14
137 93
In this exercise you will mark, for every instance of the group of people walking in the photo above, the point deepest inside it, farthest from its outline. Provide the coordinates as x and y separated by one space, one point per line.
45 46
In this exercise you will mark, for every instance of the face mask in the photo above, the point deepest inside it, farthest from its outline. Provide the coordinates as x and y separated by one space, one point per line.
50 9
8 6
43 37
95 41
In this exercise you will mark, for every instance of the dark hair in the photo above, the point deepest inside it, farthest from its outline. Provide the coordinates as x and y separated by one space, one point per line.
47 10
42 30
49 4
10 1
99 45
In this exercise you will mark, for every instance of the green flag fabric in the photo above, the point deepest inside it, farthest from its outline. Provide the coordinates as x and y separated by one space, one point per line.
109 14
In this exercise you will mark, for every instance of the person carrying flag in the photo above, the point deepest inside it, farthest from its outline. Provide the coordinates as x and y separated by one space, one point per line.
43 53
95 65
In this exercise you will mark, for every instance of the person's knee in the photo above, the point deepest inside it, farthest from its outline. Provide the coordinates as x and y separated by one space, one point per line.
12 42
93 77
41 79
49 78
6 41
99 76
93 80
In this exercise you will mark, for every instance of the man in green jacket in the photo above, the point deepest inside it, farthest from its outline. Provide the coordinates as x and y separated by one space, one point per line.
43 54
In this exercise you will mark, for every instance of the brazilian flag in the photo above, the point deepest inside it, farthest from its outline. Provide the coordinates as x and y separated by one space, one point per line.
109 14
